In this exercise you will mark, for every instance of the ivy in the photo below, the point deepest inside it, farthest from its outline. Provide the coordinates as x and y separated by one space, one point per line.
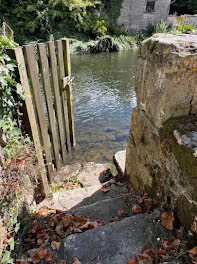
10 94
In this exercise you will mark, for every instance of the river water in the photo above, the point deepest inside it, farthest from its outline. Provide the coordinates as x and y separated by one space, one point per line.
103 100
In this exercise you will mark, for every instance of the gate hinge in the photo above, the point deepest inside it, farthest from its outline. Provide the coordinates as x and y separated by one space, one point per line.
67 81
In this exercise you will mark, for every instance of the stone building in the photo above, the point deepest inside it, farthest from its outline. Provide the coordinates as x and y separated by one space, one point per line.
137 15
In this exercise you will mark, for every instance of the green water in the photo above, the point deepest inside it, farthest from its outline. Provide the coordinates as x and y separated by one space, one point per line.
103 100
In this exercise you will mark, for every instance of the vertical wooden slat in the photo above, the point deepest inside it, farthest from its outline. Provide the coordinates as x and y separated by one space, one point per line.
47 88
69 94
61 71
34 78
54 73
32 116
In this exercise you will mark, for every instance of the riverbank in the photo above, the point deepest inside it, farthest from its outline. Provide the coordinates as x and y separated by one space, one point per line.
103 44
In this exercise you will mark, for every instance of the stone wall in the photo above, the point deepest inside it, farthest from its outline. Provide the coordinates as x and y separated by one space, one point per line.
135 18
188 20
161 155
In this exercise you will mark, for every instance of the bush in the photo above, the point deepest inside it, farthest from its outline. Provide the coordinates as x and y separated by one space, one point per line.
162 27
187 29
39 19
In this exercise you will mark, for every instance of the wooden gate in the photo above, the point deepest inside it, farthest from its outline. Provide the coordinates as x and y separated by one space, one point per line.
45 75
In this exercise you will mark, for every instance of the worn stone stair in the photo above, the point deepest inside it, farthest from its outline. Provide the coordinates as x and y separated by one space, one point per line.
114 243
123 234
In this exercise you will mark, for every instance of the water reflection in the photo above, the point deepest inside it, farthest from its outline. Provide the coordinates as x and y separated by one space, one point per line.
103 99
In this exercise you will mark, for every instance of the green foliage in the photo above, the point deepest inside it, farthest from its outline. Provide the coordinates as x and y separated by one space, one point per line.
41 19
10 93
112 8
186 29
162 27
182 7
13 227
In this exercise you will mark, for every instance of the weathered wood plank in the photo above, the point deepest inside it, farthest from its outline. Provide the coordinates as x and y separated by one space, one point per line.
61 71
69 94
32 117
54 73
47 89
34 79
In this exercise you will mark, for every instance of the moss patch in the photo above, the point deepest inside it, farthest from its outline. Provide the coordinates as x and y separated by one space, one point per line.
184 155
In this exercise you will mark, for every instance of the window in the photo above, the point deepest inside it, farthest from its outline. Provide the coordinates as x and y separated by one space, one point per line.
150 7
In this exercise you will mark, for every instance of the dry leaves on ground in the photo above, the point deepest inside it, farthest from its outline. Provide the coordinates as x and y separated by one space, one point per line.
105 188
121 212
193 254
76 261
193 251
48 232
167 220
132 261
152 255
136 209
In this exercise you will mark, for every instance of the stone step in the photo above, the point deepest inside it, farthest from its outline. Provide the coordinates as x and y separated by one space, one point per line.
65 200
107 210
114 243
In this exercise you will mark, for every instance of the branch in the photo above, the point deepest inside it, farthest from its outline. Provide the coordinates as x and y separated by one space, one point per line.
173 1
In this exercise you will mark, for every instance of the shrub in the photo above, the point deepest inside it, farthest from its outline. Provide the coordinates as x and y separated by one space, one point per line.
162 27
186 29
39 19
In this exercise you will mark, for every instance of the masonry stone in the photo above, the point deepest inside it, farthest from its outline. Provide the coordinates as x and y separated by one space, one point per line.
135 16
161 155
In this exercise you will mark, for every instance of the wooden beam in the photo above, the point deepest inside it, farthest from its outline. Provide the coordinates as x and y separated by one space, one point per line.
54 74
32 117
34 79
68 92
48 95
64 98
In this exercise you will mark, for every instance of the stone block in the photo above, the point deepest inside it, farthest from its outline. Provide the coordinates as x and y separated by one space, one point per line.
161 155
166 77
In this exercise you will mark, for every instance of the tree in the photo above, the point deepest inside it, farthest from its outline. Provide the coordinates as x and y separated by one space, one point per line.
182 7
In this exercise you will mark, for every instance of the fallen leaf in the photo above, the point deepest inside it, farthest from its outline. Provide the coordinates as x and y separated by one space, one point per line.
147 255
136 209
145 196
49 257
193 251
121 212
161 252
66 220
132 261
45 212
119 184
168 246
42 252
76 261
21 161
140 200
167 220
69 185
35 257
55 245
40 241
105 188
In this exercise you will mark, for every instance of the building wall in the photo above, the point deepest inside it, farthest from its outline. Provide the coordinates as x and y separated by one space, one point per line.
188 20
135 18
